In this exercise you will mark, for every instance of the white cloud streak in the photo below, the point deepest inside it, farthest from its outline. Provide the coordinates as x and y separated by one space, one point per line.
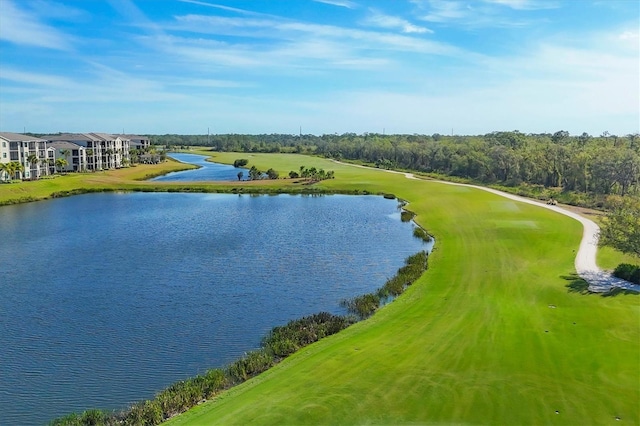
526 4
340 3
381 20
22 27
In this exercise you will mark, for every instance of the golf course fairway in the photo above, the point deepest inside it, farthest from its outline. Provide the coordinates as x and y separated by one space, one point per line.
497 330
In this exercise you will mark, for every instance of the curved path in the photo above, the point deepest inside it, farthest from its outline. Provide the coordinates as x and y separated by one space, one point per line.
586 266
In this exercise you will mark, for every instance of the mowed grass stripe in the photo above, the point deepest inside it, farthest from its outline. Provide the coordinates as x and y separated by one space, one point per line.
490 334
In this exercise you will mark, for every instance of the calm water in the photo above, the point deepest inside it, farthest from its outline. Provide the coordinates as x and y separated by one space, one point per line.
207 170
105 299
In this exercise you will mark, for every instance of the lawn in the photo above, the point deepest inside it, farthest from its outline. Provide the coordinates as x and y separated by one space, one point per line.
126 178
491 334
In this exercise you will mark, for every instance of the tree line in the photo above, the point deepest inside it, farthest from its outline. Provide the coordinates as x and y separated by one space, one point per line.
596 165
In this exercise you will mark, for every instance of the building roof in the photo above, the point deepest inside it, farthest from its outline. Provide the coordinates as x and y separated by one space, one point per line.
130 136
17 137
70 137
65 145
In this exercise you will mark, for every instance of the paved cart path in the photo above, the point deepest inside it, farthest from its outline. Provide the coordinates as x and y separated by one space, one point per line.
586 266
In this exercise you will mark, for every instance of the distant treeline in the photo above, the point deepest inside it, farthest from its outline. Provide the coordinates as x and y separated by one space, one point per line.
596 165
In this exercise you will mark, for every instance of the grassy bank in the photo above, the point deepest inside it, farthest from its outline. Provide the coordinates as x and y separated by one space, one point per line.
491 334
109 180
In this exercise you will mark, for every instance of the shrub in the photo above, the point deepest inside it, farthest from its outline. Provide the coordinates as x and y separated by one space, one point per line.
143 413
419 232
415 265
362 306
284 340
628 272
251 364
407 216
272 174
241 162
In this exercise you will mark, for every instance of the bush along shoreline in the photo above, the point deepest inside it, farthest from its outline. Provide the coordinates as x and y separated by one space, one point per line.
367 304
628 272
278 344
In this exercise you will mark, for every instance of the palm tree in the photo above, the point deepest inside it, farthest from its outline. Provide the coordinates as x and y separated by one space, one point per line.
109 153
44 164
60 164
4 169
93 160
12 168
134 155
33 160
66 154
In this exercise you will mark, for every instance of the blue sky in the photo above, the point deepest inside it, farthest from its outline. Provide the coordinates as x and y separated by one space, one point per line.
328 66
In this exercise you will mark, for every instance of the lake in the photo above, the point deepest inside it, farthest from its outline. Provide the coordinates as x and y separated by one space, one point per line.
105 299
206 171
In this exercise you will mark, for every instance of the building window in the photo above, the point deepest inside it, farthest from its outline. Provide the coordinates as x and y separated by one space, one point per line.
4 155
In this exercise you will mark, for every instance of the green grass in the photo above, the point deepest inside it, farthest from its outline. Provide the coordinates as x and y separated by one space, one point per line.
489 335
122 179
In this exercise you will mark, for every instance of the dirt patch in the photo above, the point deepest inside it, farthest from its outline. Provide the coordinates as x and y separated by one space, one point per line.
583 211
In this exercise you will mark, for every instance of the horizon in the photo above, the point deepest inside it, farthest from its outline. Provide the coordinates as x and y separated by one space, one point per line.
602 135
325 66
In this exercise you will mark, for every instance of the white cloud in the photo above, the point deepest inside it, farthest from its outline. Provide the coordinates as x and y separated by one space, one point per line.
381 20
227 8
477 14
443 10
24 28
526 4
340 3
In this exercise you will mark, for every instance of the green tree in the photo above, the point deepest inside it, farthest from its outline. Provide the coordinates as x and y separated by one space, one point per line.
66 154
44 164
254 173
12 168
109 152
272 174
4 170
33 160
61 163
621 227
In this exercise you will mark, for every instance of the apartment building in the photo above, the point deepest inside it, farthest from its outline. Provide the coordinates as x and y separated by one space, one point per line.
102 150
74 155
141 143
30 152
